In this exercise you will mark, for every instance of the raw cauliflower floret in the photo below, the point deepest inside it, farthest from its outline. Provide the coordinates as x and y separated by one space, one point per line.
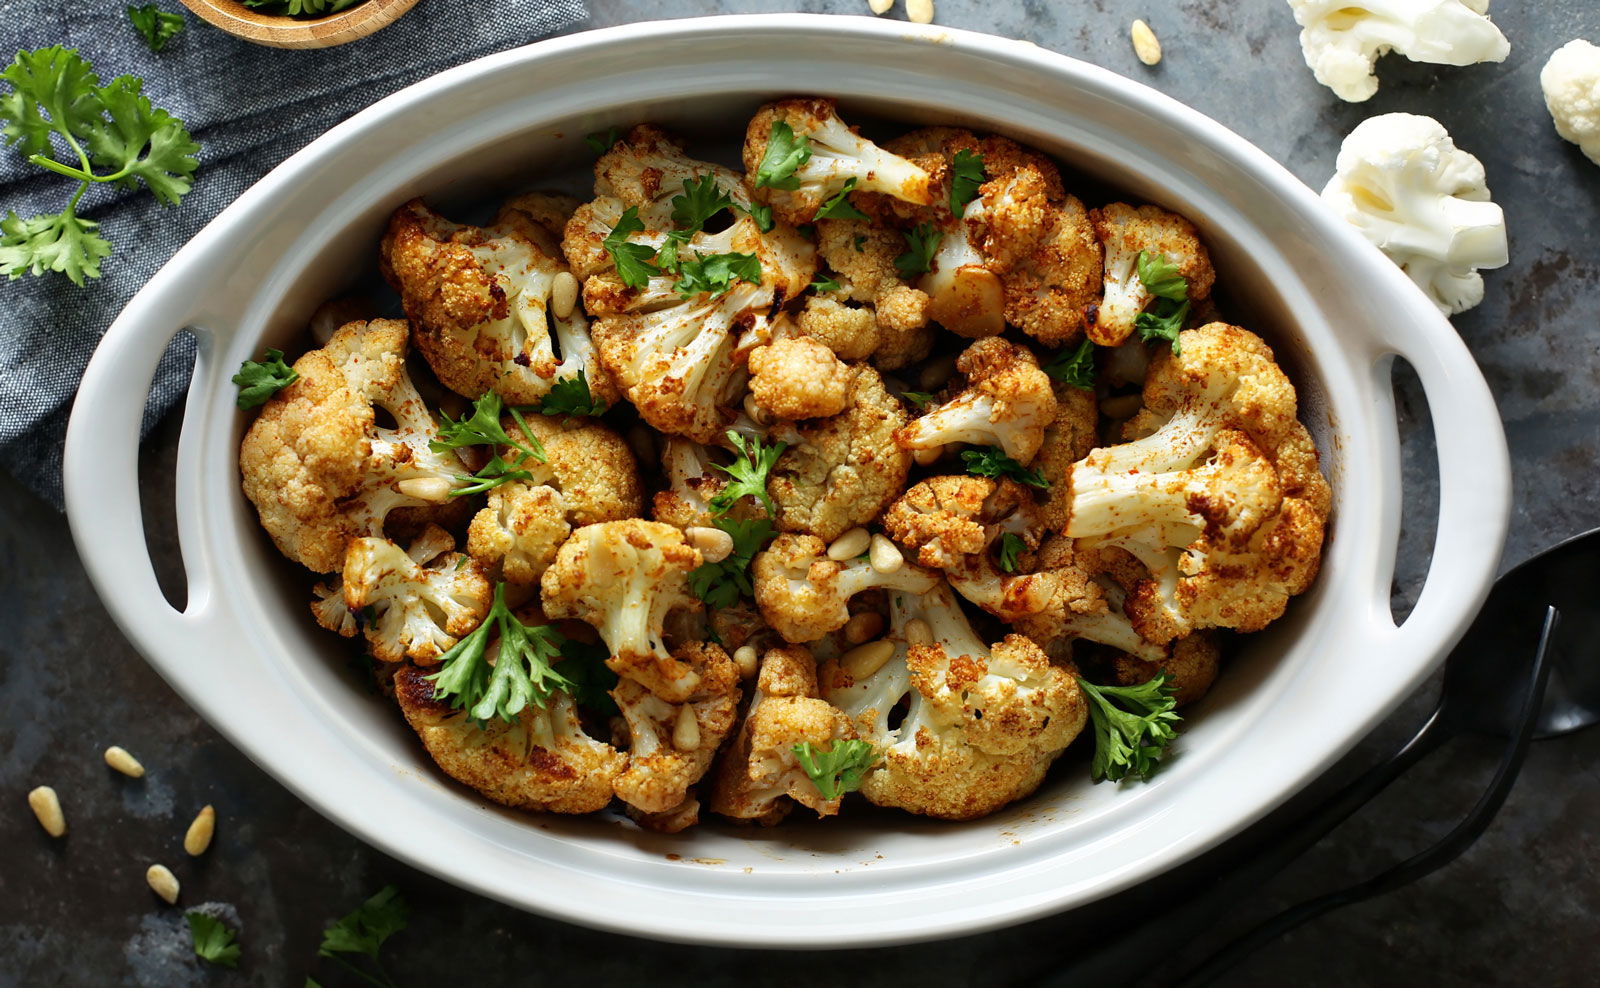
1424 202
671 743
1126 232
1571 84
316 465
1007 402
804 595
799 379
759 777
839 472
1342 41
543 761
589 476
831 154
624 578
1222 501
981 722
483 300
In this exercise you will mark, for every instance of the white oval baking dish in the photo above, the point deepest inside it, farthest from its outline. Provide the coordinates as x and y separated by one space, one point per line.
245 655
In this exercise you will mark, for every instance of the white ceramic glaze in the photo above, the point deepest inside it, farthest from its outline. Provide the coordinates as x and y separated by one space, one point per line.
245 654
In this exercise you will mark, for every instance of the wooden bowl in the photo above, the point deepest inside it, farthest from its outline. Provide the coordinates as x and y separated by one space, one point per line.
289 32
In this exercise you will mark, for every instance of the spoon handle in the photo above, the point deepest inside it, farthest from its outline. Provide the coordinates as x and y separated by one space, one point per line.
1447 849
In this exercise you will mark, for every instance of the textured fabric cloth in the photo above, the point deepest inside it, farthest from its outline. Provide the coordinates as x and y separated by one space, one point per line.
249 107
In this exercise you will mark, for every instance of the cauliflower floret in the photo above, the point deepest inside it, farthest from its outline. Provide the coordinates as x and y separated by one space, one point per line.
839 472
804 595
759 777
316 465
624 577
588 476
1405 185
1192 663
693 480
830 155
544 761
981 723
798 379
1126 232
1223 501
1093 610
1071 435
1571 84
480 299
1341 41
875 314
671 742
1008 402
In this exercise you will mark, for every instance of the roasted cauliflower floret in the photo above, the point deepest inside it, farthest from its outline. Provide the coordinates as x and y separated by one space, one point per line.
1126 232
316 464
1191 663
1091 608
624 577
589 476
875 313
693 479
799 379
759 778
1072 434
839 472
671 742
1007 402
1222 501
543 761
484 301
804 595
981 723
801 153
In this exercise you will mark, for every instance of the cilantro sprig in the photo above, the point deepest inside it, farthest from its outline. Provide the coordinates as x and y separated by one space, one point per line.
523 671
58 115
922 242
721 584
363 933
702 199
212 939
747 474
1073 365
1130 737
571 396
966 174
155 25
1165 319
990 461
259 380
786 152
839 769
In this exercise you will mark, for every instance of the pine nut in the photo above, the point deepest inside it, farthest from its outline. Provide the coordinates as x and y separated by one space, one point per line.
118 758
919 11
435 490
198 837
886 557
850 545
563 295
863 627
864 660
937 373
927 457
880 6
1145 43
714 544
746 659
47 808
918 632
686 733
163 883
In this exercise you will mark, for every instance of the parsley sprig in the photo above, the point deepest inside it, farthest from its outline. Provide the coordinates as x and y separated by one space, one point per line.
1073 365
838 770
715 274
721 584
306 9
702 199
838 206
1164 320
155 25
990 461
634 262
602 141
483 428
786 152
259 380
966 174
363 933
921 399
212 939
56 109
1130 740
747 474
571 396
922 242
1011 545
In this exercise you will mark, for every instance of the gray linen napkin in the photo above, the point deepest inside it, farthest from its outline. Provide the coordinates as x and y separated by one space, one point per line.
249 107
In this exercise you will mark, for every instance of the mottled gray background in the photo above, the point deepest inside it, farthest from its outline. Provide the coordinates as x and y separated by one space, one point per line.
1523 907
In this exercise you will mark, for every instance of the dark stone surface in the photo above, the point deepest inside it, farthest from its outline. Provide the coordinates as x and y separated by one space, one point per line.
1522 907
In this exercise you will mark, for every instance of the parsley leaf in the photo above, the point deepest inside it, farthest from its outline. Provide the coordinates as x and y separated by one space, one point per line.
602 141
301 8
763 217
364 932
1011 545
786 152
838 206
212 940
860 243
522 672
1161 277
584 666
1164 323
633 260
721 584
703 198
571 396
921 399
716 273
826 283
1073 365
493 473
922 243
991 462
1133 739
747 475
483 428
838 770
260 380
157 26
966 174
62 242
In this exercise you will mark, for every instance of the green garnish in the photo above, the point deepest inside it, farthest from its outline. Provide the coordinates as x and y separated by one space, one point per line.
1161 277
826 283
155 25
571 396
786 152
522 673
301 8
212 940
1134 739
602 141
584 666
860 243
921 399
483 428
1011 545
838 770
1163 321
763 217
966 174
991 462
1073 365
838 206
716 273
921 243
747 474
364 932
702 199
1163 325
722 584
111 133
633 261
259 380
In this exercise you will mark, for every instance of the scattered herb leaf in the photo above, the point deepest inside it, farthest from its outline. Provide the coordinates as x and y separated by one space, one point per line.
259 380
522 672
1011 545
747 474
1165 322
1073 365
786 152
763 217
602 141
155 25
484 428
364 931
213 941
826 283
838 205
716 273
571 396
721 584
966 174
921 243
989 461
1161 277
921 399
838 770
633 260
1134 739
